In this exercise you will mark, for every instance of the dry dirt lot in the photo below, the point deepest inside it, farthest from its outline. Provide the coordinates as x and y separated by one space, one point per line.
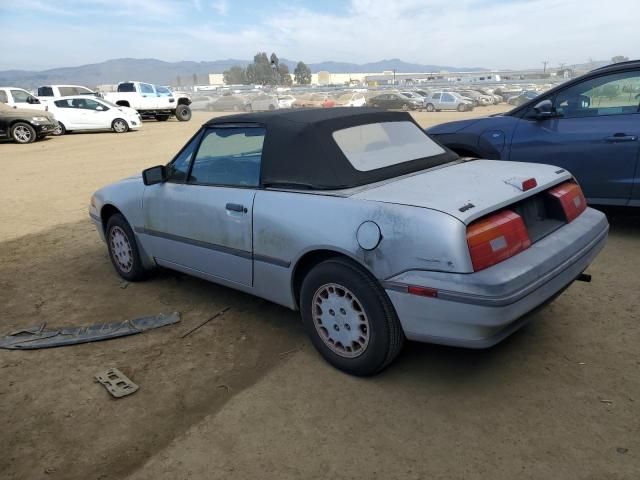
246 396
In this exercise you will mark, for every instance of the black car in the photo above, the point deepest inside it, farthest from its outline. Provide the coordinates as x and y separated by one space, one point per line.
25 126
395 101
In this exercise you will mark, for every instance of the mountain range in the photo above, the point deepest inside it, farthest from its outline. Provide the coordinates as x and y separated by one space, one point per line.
167 73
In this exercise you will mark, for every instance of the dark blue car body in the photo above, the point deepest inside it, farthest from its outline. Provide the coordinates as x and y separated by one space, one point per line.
589 126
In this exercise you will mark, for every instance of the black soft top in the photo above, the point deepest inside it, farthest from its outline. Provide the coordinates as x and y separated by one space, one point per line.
299 150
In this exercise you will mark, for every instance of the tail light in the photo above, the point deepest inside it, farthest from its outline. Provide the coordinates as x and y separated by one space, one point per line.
571 198
495 238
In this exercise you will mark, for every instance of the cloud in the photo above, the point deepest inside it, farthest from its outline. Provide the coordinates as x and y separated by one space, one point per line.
488 33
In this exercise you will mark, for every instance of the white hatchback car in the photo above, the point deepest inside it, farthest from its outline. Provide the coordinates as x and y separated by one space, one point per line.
80 112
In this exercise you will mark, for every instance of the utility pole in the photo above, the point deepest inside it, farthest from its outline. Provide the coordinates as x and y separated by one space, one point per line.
545 62
394 76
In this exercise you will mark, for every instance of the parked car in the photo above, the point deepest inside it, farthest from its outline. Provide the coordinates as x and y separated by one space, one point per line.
589 125
150 102
440 100
524 97
286 101
81 112
351 99
47 91
358 219
395 100
234 103
479 98
25 125
263 101
18 98
201 102
309 100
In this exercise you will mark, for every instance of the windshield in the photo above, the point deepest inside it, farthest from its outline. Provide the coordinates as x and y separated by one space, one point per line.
377 145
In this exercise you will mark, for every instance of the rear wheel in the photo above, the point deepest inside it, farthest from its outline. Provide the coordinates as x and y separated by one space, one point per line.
430 107
23 133
183 113
59 130
349 318
462 107
123 249
119 125
405 107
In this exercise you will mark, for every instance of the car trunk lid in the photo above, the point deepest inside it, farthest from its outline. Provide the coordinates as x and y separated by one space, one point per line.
467 190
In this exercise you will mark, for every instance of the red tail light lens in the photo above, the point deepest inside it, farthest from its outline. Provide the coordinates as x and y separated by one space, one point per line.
495 238
571 199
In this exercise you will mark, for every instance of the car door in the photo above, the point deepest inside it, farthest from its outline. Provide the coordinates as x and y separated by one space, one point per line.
448 101
593 133
96 114
200 220
71 116
148 97
435 99
23 99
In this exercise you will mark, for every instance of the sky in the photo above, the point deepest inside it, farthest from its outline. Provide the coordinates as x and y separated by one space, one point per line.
41 34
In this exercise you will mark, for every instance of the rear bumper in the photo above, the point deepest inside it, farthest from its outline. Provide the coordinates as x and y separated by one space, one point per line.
480 309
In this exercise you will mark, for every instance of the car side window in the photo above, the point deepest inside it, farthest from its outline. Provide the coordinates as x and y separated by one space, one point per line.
436 96
447 97
617 94
63 103
19 96
93 105
229 156
146 88
178 169
66 91
45 92
3 97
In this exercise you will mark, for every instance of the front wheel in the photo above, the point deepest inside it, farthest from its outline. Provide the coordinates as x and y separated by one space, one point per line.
123 249
119 125
405 107
23 133
59 130
430 107
462 107
183 113
349 318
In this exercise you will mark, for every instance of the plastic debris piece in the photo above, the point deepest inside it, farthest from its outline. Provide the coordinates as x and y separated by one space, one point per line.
38 337
217 314
117 383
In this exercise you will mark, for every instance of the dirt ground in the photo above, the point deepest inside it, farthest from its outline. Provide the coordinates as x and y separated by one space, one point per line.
246 396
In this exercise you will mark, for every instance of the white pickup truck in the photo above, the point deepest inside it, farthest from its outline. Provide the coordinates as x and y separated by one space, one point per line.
151 101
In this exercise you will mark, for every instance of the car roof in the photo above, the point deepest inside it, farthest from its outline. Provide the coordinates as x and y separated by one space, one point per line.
619 65
299 150
74 97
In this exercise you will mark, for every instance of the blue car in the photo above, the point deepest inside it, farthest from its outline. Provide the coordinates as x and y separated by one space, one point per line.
590 126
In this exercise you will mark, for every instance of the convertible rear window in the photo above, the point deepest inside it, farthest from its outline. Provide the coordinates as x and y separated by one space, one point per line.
378 145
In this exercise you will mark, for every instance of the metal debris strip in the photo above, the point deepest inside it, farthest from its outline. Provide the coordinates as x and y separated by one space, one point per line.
39 337
117 383
189 332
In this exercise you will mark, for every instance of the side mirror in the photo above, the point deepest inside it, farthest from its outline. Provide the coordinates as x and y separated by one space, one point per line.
99 108
154 175
544 109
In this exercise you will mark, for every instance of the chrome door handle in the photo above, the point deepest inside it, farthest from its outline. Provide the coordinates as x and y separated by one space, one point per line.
621 137
236 207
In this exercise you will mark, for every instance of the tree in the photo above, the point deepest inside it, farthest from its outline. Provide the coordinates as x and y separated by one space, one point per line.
302 74
619 58
236 75
284 77
260 71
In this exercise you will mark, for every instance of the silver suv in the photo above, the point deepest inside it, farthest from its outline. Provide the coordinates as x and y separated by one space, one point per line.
437 101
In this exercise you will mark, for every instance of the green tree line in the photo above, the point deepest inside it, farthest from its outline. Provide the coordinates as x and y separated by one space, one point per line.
267 71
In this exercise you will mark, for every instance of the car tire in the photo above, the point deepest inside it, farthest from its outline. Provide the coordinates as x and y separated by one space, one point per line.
183 113
272 107
23 133
162 118
430 107
120 126
405 107
60 130
462 107
362 306
123 249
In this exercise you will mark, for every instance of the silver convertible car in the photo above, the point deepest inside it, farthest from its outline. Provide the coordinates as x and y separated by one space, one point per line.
357 218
